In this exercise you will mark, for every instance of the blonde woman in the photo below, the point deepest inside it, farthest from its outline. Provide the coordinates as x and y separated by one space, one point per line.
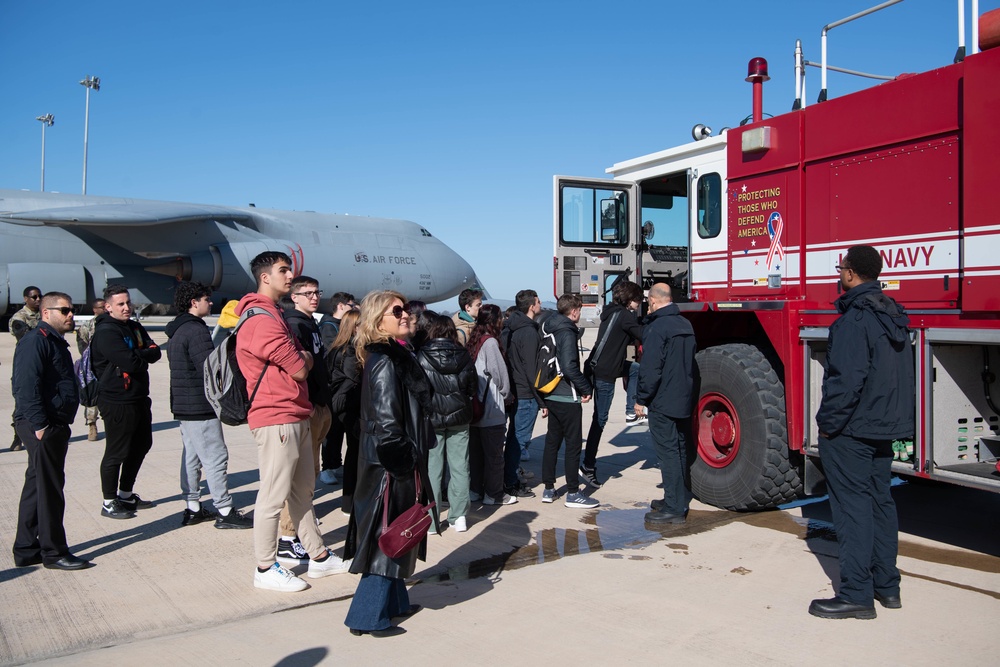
396 435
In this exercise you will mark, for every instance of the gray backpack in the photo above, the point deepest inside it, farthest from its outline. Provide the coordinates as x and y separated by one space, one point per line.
225 386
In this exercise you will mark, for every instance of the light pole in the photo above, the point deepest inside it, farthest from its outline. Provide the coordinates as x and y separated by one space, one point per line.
91 82
47 121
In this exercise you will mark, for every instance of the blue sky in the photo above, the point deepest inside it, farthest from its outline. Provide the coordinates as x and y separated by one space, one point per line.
454 115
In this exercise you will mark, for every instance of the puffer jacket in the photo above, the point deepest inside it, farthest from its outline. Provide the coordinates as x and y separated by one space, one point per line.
573 384
189 344
453 375
868 385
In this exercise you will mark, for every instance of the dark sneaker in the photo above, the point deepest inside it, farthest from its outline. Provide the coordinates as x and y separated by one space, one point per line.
520 491
16 445
194 518
291 552
235 519
116 510
549 496
590 474
136 503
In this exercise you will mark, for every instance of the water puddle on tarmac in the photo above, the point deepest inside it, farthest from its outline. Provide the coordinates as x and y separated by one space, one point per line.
616 531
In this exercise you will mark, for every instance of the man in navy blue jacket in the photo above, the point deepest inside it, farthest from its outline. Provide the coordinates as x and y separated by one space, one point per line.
46 399
868 401
668 384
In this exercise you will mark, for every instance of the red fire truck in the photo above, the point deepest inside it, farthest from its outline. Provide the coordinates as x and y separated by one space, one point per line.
747 228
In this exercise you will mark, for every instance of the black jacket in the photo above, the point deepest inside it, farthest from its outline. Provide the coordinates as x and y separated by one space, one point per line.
868 389
304 328
396 436
573 383
329 327
189 344
610 364
521 341
120 354
43 382
668 374
452 373
345 382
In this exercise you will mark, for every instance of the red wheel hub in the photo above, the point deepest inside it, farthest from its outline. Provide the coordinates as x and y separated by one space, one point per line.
718 430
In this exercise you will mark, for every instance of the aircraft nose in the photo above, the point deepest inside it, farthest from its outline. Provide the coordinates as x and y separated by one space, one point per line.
453 273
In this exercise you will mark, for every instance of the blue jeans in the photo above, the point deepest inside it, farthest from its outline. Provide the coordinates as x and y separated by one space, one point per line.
521 423
604 393
376 601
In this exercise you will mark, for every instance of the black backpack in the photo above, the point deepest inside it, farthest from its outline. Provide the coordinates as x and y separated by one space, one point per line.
225 386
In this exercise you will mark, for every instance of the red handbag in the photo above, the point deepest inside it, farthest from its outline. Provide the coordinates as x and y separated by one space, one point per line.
409 528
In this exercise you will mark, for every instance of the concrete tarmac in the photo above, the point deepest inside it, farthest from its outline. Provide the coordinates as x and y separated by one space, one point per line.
528 582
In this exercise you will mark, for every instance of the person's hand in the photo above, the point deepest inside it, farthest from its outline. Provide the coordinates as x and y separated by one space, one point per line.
545 413
40 434
308 358
585 399
640 410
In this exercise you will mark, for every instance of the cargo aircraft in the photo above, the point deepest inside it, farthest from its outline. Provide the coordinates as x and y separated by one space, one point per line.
79 244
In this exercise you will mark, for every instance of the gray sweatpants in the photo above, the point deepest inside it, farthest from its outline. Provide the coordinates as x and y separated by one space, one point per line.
205 448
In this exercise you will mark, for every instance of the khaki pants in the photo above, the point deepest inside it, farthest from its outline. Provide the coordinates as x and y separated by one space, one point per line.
286 474
319 422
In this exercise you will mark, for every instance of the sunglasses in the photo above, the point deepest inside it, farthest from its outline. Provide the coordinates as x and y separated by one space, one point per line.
65 310
397 311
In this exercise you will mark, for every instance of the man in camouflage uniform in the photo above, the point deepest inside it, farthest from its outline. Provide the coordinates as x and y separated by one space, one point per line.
84 333
21 323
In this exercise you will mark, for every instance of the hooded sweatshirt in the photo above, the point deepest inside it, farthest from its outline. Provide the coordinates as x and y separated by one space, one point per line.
121 353
868 389
280 399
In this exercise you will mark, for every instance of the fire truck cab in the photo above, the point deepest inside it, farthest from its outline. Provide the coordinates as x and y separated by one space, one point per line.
747 228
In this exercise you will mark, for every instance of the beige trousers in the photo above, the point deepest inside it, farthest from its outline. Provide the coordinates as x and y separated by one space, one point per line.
286 474
319 421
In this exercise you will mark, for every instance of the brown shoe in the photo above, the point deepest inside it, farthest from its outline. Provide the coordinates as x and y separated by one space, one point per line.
92 433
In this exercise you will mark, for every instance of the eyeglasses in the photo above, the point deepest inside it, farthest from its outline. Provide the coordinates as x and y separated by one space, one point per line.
65 310
33 296
309 295
397 311
841 267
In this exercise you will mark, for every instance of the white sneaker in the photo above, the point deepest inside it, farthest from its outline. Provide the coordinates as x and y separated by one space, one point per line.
503 500
332 565
278 578
328 477
459 524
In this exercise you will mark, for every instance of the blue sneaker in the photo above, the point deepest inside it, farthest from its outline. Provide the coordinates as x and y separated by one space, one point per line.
580 501
549 496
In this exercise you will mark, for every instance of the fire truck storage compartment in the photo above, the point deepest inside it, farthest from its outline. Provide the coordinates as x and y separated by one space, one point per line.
964 431
964 428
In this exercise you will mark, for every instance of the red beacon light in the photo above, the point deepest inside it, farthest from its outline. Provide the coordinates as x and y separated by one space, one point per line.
757 70
757 75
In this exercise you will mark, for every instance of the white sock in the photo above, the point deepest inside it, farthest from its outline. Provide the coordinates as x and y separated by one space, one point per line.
194 505
289 538
224 511
107 503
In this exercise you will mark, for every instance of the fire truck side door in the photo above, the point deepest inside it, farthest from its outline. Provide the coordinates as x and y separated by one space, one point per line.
595 231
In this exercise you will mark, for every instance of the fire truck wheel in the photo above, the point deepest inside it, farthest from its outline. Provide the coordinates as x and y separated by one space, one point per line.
739 430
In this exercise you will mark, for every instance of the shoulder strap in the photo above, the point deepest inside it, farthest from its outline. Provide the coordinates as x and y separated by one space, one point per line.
607 334
246 315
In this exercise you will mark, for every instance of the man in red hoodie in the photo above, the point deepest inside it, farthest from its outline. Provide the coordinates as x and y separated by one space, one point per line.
279 422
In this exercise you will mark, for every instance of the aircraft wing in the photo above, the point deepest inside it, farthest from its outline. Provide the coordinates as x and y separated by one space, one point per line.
142 213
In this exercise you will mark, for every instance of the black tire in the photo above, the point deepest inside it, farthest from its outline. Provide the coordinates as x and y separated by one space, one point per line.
760 475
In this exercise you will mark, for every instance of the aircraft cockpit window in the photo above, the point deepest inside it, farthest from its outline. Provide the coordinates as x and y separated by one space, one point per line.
424 232
594 217
709 206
